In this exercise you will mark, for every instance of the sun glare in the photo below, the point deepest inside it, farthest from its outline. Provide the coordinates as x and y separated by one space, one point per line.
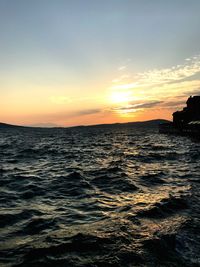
120 97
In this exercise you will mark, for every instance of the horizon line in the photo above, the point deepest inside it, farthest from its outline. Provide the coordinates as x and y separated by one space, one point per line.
86 125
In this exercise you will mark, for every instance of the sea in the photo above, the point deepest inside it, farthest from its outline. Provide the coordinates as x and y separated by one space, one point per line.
98 197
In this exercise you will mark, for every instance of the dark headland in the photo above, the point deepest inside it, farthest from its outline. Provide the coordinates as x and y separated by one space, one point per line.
185 122
149 123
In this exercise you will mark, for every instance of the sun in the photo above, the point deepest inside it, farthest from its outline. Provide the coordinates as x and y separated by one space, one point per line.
118 97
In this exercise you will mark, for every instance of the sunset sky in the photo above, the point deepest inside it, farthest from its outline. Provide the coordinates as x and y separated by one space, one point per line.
72 62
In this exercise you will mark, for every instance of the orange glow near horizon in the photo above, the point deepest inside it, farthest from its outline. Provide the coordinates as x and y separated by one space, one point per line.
65 119
150 96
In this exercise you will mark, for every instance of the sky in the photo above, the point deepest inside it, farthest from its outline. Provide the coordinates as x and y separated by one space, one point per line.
82 62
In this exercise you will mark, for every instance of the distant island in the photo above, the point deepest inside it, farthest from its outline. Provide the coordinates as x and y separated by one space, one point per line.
149 123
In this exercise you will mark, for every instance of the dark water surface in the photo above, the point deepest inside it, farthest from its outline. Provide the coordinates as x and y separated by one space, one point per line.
98 197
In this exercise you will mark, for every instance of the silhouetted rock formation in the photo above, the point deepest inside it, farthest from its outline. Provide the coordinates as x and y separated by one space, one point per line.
186 121
190 113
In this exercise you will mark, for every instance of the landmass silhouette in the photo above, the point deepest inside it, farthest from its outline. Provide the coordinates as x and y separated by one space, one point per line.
149 123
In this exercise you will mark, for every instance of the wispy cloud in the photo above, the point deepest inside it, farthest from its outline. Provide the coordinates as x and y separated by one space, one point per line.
175 103
193 92
66 115
121 78
176 73
86 112
167 75
144 105
169 86
121 68
149 104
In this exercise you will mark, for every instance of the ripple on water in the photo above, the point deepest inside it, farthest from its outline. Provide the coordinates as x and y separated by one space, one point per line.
98 197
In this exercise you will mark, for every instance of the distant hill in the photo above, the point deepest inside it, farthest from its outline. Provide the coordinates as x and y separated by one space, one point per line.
149 124
6 125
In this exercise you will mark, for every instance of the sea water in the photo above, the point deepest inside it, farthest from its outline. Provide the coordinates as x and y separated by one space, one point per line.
99 196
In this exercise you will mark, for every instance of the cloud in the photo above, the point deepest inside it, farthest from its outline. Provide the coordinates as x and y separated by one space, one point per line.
164 88
176 89
86 112
169 86
121 68
167 75
175 103
162 76
193 92
65 115
121 78
148 104
137 106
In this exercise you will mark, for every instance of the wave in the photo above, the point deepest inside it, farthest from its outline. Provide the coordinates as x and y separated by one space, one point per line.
165 207
86 197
